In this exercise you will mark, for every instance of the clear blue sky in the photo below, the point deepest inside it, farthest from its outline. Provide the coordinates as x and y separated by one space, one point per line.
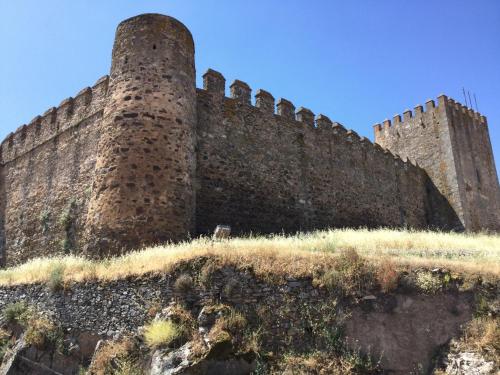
356 61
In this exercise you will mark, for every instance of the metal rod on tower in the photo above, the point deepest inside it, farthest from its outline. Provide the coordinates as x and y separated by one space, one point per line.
470 101
465 97
475 101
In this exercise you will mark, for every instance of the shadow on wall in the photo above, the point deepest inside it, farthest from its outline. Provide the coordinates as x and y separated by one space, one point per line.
440 215
260 214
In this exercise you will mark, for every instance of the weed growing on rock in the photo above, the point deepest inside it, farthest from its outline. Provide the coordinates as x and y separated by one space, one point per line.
323 363
42 333
56 277
15 312
154 307
428 283
4 343
113 358
127 366
66 220
207 272
44 220
182 317
234 322
482 305
184 284
387 275
162 333
482 335
231 287
66 245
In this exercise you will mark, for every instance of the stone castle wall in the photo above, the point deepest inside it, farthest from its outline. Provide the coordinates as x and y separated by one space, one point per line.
451 143
263 171
143 157
478 180
47 170
143 189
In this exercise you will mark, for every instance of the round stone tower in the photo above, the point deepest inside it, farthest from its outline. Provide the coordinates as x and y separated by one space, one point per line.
143 190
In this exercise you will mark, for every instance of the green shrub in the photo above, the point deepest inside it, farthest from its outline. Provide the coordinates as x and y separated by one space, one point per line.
44 220
15 312
66 219
56 277
428 283
482 305
43 333
66 245
161 333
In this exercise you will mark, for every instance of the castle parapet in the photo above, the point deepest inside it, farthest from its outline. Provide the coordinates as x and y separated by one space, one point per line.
241 91
323 122
305 115
417 116
264 100
214 82
70 112
286 108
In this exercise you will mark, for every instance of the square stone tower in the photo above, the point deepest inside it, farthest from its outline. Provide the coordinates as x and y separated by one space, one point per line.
451 142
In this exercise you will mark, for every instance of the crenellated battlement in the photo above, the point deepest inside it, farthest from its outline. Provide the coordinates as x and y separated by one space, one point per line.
240 91
451 143
214 83
419 115
55 120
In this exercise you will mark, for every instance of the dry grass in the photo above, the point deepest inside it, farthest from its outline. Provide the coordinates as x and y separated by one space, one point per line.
277 256
483 335
322 363
40 332
387 275
110 352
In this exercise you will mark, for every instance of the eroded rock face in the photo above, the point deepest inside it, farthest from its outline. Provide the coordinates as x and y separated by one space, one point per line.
218 357
178 362
171 362
406 330
7 366
469 364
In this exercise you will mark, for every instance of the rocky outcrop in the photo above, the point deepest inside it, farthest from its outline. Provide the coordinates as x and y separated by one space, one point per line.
405 328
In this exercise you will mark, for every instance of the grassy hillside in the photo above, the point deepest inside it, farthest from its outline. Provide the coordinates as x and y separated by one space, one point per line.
278 256
327 302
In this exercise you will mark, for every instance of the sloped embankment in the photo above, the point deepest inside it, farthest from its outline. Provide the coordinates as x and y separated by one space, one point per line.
346 318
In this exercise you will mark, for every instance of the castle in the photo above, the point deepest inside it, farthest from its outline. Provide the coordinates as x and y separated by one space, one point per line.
143 157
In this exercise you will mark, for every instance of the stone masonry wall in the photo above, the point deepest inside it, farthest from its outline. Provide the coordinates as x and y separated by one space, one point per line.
451 143
143 185
47 171
264 172
257 171
478 179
